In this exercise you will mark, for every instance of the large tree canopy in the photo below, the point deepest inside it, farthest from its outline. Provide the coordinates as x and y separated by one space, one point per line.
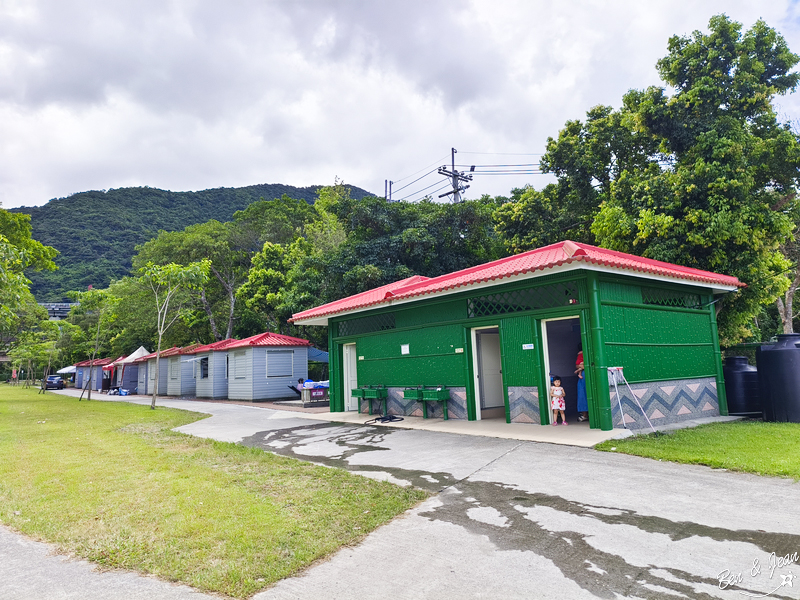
702 174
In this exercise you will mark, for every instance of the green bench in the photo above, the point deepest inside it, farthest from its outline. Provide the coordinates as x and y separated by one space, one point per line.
423 395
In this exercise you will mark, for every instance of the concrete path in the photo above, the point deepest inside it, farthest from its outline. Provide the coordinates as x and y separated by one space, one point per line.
510 519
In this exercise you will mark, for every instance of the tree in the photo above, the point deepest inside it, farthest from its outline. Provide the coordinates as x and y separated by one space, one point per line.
166 283
704 176
96 313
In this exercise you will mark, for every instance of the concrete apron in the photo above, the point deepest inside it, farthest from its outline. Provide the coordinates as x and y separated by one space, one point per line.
574 434
515 519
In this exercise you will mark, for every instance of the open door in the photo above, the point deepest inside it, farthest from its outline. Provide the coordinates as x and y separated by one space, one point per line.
349 360
488 374
561 342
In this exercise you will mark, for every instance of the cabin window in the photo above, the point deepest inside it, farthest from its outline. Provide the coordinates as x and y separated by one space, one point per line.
204 368
239 365
227 365
152 371
280 363
174 368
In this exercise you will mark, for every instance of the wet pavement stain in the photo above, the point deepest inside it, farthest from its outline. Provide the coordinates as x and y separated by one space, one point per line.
577 559
507 525
350 440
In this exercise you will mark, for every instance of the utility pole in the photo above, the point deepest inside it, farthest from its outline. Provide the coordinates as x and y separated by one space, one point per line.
387 190
456 177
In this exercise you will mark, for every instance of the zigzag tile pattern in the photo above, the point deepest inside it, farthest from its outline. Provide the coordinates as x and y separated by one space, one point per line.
523 404
397 405
665 402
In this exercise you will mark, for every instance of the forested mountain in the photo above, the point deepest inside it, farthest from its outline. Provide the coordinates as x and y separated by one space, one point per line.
96 232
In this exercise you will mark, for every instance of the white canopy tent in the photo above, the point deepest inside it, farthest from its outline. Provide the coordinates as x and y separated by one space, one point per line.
67 370
142 351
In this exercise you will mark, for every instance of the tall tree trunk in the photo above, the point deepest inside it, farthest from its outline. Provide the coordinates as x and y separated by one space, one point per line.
786 304
232 301
211 320
155 383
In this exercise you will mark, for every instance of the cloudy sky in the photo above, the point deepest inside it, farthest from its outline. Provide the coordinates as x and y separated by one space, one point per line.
190 95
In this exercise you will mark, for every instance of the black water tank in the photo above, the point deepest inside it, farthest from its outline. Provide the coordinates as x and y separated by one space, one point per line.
779 379
741 387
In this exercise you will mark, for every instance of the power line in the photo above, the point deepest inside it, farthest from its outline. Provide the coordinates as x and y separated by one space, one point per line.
415 181
420 190
433 164
446 185
506 153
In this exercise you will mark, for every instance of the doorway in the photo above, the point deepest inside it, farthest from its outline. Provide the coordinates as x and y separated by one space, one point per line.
561 343
349 360
489 391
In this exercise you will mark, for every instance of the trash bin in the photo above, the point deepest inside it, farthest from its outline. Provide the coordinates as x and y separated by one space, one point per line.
779 379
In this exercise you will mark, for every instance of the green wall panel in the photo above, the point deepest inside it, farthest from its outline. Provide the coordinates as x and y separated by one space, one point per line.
520 367
432 313
657 363
619 292
432 357
649 325
413 371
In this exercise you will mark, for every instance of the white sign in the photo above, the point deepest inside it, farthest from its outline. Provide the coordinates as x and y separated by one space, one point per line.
360 358
527 346
459 351
404 349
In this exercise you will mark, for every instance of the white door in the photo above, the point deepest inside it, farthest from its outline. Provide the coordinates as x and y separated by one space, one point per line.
491 375
350 376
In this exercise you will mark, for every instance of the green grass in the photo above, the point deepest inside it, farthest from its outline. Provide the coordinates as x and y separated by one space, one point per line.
748 446
110 482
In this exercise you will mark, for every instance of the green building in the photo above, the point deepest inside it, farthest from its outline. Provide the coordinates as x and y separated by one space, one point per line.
492 336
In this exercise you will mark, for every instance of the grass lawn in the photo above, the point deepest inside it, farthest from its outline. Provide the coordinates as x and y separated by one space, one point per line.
110 482
749 446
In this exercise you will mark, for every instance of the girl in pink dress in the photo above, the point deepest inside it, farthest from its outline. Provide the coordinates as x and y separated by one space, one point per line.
557 402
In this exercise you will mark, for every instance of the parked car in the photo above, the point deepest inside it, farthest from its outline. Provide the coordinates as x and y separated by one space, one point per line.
54 382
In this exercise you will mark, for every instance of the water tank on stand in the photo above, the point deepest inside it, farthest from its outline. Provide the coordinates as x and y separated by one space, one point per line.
741 387
779 379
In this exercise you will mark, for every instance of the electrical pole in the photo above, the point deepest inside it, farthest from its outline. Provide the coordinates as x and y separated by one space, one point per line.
457 178
390 190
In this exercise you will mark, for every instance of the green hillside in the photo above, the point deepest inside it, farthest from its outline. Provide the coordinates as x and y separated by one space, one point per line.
96 232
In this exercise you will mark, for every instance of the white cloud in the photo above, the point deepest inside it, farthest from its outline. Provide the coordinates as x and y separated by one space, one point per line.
189 95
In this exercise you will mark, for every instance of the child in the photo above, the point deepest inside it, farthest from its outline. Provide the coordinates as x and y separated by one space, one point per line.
557 402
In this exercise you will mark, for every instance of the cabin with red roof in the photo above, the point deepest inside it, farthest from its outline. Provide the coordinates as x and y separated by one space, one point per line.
147 369
181 371
263 366
87 370
211 369
493 337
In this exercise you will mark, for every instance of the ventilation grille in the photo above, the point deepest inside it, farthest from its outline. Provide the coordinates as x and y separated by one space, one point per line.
381 322
538 298
663 297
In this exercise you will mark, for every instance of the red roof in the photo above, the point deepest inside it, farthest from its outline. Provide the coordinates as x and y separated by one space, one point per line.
175 350
98 362
220 345
554 255
269 339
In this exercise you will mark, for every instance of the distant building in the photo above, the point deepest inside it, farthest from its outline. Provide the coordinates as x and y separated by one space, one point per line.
58 310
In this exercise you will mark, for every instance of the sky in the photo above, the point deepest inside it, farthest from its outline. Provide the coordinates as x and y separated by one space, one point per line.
190 95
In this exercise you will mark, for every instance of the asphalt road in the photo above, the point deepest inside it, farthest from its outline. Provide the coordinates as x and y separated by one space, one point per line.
509 519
